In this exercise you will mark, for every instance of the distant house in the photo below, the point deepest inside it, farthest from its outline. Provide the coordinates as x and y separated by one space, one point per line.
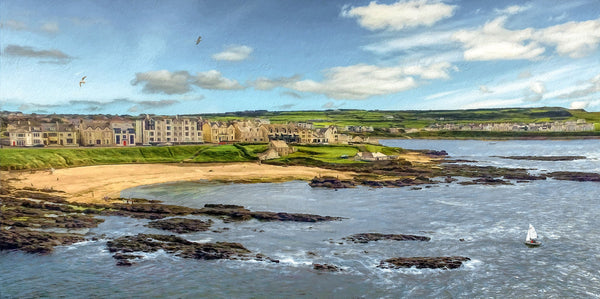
277 148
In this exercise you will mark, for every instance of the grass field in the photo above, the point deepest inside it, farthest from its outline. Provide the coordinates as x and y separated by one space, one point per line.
416 118
46 158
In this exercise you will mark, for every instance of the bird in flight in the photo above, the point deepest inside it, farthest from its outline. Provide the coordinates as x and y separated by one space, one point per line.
82 81
198 40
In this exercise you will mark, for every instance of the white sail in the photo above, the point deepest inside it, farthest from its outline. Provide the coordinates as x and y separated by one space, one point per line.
531 234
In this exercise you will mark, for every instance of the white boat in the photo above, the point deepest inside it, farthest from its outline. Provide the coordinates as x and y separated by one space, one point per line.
531 239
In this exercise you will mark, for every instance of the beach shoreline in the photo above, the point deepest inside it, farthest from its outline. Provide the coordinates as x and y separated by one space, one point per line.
100 183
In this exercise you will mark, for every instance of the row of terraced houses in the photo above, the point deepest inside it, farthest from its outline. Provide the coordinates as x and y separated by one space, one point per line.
165 130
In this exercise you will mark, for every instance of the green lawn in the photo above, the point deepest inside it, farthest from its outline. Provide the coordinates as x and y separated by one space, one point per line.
44 158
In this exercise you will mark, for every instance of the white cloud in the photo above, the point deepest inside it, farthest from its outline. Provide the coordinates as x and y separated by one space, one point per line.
50 27
484 89
575 39
213 79
535 92
579 105
593 87
493 41
425 39
362 81
14 25
399 15
234 53
268 84
163 81
525 74
513 9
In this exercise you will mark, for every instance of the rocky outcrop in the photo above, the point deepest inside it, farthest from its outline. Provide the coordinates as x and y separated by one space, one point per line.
543 158
368 237
147 210
181 225
575 176
174 245
486 181
448 262
239 213
21 238
331 182
327 268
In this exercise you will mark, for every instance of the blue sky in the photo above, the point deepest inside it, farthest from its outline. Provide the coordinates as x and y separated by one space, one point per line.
141 56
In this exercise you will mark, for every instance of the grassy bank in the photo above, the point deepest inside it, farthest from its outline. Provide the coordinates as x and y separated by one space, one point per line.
45 158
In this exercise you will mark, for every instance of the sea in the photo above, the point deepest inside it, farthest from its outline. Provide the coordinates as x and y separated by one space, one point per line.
485 223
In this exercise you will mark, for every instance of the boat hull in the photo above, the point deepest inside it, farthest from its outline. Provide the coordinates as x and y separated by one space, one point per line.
533 244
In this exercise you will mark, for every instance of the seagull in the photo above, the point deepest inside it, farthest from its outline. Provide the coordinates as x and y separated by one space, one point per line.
198 40
82 82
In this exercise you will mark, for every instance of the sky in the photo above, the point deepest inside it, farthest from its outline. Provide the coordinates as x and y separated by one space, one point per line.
278 55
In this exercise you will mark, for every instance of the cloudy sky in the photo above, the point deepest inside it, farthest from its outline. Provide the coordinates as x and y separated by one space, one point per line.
142 57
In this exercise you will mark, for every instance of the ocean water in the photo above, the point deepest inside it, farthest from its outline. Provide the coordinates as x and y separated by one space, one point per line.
492 220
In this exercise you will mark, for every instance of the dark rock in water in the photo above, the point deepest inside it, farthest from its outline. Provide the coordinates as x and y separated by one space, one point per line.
181 225
331 182
175 245
121 256
239 213
450 179
487 181
523 177
447 262
327 267
29 241
436 153
543 158
405 182
575 176
148 210
124 262
367 237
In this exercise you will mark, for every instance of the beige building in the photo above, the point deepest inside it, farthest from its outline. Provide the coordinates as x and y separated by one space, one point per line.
217 132
168 130
96 133
252 132
277 148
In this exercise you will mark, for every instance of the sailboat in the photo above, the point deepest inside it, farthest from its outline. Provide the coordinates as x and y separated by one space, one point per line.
531 239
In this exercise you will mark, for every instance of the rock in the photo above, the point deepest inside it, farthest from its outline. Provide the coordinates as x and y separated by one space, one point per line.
543 158
575 176
523 177
331 182
367 237
174 245
436 153
239 213
487 181
450 262
327 267
181 225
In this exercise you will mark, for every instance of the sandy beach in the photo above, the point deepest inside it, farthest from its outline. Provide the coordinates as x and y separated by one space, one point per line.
92 184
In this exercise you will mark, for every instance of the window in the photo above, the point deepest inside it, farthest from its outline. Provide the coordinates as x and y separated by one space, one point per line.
36 134
168 127
21 135
69 140
187 133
